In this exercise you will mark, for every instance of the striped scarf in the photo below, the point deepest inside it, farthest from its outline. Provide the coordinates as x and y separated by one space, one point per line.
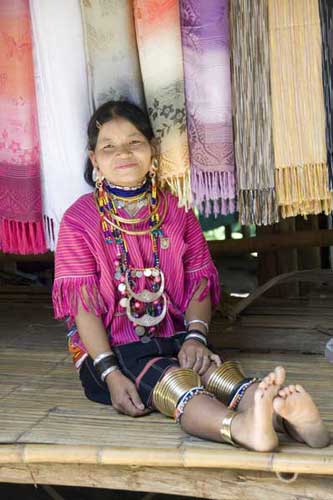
252 112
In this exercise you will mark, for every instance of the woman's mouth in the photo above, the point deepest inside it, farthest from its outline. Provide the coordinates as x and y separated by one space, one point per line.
126 165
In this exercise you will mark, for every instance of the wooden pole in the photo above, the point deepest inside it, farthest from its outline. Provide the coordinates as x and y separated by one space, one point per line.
185 456
262 243
273 242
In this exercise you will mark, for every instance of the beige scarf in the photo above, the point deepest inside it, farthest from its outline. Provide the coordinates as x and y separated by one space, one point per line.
301 175
111 51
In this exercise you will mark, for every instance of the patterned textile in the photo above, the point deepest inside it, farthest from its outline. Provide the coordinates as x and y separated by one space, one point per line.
205 40
298 108
21 223
114 69
326 21
159 43
84 260
63 106
252 112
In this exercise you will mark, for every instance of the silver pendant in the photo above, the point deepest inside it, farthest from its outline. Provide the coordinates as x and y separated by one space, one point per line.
140 330
146 320
145 339
165 243
146 295
123 302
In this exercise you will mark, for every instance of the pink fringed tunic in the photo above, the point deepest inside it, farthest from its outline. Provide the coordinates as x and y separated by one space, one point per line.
84 261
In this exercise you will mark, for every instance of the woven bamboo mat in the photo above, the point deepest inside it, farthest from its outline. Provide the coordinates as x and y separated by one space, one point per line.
41 401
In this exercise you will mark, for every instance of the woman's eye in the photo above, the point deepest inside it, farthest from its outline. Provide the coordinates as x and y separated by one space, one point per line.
108 146
135 142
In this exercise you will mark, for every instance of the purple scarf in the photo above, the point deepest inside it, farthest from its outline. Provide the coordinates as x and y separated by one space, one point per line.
205 41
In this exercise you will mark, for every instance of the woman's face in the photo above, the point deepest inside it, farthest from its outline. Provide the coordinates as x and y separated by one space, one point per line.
122 155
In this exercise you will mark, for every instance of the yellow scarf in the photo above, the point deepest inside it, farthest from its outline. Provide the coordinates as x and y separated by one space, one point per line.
301 174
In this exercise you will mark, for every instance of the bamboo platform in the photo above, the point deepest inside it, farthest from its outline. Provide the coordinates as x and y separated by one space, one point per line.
50 434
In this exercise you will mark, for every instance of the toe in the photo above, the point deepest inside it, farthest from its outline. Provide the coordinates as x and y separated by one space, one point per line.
259 394
292 389
299 388
280 374
282 393
279 405
263 384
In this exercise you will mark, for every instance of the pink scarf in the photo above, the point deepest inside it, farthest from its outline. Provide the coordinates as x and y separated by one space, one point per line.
205 38
21 223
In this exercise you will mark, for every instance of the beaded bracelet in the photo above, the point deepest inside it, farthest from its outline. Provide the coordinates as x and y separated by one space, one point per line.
234 403
187 397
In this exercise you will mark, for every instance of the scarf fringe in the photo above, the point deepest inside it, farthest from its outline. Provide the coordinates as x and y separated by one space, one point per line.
303 189
216 186
258 206
22 238
180 186
67 292
310 207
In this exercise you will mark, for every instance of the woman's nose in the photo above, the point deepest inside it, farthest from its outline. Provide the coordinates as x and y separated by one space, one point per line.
124 150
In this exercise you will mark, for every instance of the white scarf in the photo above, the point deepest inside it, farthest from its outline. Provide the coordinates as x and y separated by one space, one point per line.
63 106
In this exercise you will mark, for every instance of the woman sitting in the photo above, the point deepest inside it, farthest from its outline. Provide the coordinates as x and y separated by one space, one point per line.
136 282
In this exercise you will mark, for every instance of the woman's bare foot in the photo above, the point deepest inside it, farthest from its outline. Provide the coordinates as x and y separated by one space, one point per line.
253 427
302 419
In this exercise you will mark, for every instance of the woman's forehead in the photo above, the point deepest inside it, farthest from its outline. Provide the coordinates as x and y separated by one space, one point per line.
118 128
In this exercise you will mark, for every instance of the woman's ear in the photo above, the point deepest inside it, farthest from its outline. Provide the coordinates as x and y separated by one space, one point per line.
155 147
92 158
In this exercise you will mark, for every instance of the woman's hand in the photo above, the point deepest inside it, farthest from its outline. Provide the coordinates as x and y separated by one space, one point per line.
195 355
124 396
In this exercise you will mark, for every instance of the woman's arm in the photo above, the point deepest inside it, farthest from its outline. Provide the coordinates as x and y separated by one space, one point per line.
92 332
199 310
124 395
193 354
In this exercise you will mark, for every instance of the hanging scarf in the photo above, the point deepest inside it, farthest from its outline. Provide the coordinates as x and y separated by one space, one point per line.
326 21
252 112
159 44
205 39
21 223
298 108
114 69
63 106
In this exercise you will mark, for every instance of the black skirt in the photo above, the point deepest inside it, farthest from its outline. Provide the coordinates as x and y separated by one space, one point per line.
144 364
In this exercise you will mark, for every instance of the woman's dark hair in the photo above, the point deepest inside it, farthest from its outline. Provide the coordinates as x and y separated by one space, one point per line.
105 113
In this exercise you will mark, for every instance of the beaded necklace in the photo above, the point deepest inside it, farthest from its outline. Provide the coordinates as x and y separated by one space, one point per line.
145 309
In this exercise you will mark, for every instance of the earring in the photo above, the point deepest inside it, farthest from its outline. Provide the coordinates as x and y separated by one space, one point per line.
99 183
153 179
94 175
